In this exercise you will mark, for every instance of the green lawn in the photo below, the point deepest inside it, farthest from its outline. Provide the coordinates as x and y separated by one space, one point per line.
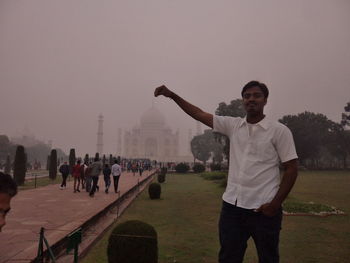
186 221
44 181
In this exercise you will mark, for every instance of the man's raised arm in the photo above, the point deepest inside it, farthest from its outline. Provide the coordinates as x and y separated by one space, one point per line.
193 111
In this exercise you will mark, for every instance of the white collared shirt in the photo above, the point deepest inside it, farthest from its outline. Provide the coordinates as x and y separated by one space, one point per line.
255 154
116 170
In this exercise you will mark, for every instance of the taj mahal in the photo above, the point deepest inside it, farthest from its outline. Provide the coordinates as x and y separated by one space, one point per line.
153 139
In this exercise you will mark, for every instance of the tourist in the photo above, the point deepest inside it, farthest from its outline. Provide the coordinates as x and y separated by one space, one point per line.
96 168
8 189
76 175
107 177
140 168
134 168
255 190
88 178
82 175
116 172
64 170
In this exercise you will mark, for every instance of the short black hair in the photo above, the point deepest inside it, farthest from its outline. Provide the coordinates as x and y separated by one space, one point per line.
7 185
255 83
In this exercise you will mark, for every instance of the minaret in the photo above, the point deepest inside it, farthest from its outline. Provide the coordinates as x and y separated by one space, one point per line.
99 145
199 128
189 140
119 142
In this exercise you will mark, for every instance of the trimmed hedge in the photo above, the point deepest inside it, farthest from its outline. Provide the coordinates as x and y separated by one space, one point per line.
133 242
154 191
198 168
182 168
161 178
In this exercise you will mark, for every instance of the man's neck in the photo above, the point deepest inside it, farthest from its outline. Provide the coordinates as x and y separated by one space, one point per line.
255 119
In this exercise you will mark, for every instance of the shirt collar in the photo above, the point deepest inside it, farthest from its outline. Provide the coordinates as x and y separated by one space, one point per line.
264 123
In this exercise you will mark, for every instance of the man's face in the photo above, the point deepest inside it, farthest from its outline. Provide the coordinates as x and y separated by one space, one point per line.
254 101
4 208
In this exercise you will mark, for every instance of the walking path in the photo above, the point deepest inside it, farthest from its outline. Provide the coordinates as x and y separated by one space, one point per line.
58 211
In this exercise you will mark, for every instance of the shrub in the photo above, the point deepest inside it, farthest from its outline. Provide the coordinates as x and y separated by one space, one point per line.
161 178
53 165
182 168
19 170
154 191
72 160
133 242
163 170
7 168
215 167
198 168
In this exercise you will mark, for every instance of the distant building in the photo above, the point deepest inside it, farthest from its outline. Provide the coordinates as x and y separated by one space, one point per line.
152 139
99 144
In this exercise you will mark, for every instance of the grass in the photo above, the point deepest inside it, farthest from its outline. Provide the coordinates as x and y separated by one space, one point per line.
40 182
186 221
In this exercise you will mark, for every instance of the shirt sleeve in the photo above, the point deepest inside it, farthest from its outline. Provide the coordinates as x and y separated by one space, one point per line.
285 145
224 124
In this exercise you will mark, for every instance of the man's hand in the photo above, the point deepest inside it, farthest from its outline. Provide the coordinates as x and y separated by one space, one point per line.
162 90
268 209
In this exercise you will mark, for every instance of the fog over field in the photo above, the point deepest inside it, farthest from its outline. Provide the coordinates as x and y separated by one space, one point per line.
62 63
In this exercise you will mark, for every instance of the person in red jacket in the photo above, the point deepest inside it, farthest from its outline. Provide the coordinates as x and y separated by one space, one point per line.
76 176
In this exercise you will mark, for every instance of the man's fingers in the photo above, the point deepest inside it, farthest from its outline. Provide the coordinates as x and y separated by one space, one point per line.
159 91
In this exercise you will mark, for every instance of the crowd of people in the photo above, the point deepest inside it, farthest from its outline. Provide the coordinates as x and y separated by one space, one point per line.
86 175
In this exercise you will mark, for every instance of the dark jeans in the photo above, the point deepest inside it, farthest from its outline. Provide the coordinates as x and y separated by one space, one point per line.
64 180
94 184
116 180
107 179
237 225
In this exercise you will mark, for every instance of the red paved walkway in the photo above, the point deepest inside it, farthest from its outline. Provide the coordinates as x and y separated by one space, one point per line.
58 211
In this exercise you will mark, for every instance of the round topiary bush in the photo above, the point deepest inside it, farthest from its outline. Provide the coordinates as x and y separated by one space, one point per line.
133 242
198 168
161 178
182 168
154 190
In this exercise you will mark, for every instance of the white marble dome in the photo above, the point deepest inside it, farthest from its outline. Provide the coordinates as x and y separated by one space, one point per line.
152 116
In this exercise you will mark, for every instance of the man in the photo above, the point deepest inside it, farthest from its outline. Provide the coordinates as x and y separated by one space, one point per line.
255 191
8 189
107 177
95 171
116 172
64 170
76 176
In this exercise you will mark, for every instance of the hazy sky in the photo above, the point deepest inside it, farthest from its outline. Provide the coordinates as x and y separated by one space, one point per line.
62 63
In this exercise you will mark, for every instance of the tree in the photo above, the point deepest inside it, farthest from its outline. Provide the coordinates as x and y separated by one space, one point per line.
6 148
20 165
53 165
345 120
234 109
311 132
97 156
339 142
205 145
200 149
104 159
7 168
72 159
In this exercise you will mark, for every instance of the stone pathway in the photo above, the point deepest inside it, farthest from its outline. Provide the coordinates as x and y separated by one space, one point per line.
58 211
